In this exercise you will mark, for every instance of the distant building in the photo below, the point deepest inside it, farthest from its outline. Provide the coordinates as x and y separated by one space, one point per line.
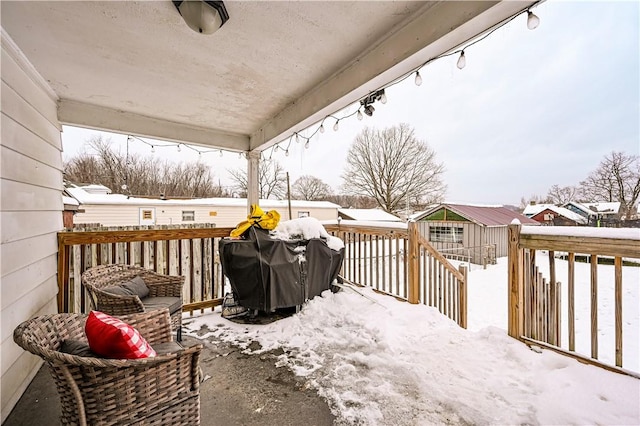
373 215
559 216
471 231
533 209
99 206
595 212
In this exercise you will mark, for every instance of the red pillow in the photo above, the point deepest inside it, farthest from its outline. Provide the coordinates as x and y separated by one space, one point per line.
111 338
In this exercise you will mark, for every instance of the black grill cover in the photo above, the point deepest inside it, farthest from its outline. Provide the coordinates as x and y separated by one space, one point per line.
268 274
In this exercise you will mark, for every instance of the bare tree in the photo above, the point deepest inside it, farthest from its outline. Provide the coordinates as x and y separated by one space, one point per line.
563 194
394 168
617 178
310 188
271 180
138 175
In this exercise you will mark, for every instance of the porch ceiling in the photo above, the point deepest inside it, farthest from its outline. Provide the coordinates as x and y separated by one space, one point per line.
273 68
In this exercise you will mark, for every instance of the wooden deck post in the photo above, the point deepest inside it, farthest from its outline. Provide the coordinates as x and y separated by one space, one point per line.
515 280
414 263
253 177
463 296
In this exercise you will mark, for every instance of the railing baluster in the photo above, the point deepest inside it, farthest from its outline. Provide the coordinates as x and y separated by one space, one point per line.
572 301
594 306
618 308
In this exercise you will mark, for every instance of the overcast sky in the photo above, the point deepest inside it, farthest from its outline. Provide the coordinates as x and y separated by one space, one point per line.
532 108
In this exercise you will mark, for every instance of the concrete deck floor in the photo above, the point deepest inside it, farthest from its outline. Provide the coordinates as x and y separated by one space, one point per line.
242 390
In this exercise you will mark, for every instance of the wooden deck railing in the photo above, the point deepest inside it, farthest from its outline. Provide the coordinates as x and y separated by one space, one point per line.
192 252
537 314
396 261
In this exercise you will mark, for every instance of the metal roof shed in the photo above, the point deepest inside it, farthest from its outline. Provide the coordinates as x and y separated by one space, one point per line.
469 232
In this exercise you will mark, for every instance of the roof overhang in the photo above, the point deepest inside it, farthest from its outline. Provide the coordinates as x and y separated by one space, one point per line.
274 68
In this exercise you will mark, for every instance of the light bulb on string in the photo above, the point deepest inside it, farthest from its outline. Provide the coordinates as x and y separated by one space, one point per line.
335 126
532 20
220 153
286 153
275 148
418 79
153 149
322 128
383 98
462 61
306 145
179 149
297 138
359 114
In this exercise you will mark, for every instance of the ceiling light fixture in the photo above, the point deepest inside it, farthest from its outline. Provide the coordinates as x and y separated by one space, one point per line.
202 16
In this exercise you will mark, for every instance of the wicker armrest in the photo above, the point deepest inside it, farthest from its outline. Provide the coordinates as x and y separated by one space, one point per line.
163 285
115 304
154 326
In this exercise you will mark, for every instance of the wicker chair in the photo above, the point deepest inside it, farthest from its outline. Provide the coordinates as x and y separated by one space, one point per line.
158 390
96 279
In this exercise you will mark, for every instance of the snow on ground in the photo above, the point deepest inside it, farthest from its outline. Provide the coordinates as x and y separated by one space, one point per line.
392 363
379 361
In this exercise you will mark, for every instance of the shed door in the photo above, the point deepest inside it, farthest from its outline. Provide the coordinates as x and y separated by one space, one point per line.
147 216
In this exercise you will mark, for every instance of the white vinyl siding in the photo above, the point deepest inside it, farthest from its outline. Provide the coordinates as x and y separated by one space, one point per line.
171 214
30 213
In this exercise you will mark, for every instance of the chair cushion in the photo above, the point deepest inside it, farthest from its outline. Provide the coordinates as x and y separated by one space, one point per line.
152 303
135 286
76 347
110 337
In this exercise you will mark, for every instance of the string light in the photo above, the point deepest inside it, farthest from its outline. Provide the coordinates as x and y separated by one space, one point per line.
178 146
532 20
418 79
366 103
306 145
297 138
286 153
462 61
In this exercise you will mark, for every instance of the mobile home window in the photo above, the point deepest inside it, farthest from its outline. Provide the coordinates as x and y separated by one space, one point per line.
445 234
188 215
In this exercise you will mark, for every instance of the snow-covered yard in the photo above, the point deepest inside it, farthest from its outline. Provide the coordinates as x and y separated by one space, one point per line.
379 361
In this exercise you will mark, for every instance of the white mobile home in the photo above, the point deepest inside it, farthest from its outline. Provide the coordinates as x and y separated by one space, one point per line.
100 207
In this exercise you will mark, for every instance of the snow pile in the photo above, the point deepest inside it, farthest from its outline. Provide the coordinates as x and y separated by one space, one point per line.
389 362
305 228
